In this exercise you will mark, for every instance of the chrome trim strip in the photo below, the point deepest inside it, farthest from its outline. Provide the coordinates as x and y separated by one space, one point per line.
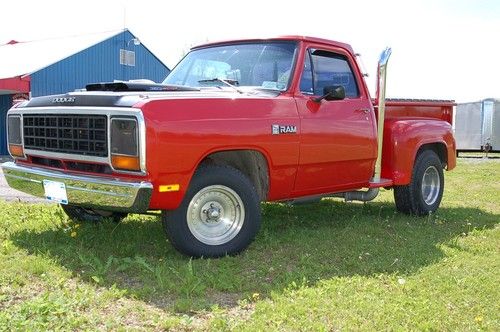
142 141
21 178
88 191
99 191
77 110
70 187
110 112
66 156
91 179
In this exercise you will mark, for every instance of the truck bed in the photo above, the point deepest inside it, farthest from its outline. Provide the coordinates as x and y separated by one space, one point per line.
420 108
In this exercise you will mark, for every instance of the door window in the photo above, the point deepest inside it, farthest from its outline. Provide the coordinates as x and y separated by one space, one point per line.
322 68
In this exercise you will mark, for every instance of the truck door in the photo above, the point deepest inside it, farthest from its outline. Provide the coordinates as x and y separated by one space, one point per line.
338 138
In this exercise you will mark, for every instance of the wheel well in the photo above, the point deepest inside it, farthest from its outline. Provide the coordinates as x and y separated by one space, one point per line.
439 149
251 163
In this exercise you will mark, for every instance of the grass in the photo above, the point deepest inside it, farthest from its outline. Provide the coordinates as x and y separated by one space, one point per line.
324 266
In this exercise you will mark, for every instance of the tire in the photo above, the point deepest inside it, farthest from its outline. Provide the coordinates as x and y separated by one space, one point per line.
425 191
90 215
216 194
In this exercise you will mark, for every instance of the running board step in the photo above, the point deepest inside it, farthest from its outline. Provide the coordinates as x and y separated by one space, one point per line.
380 183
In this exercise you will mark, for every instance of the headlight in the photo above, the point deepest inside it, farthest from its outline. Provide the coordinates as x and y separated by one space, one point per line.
14 136
125 145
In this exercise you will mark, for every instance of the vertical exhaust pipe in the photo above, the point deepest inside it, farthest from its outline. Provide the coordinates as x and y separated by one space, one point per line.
380 101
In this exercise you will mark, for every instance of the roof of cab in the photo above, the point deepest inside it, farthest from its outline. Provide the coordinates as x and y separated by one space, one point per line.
281 38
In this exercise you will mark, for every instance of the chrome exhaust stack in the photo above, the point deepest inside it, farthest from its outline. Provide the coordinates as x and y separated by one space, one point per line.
380 102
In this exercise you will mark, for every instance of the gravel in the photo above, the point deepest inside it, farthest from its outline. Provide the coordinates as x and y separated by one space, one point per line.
9 194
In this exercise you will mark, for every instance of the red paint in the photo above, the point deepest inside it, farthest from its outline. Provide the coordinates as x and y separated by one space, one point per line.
16 84
404 137
334 149
192 128
442 110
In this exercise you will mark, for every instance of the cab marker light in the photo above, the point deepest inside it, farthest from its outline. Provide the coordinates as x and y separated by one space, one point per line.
168 188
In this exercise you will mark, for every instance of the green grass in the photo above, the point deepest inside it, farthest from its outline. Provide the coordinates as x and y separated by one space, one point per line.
324 266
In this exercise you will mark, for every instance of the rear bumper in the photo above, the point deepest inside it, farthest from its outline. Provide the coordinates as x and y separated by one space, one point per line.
87 191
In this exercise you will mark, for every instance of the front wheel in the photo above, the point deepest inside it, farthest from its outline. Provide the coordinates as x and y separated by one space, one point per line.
425 191
219 216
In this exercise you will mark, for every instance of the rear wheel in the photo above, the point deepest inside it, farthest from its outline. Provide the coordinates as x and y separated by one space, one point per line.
91 215
219 216
424 193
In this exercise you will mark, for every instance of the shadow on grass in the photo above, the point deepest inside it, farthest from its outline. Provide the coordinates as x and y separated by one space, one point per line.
296 245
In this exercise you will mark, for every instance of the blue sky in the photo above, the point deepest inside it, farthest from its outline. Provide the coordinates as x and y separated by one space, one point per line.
441 49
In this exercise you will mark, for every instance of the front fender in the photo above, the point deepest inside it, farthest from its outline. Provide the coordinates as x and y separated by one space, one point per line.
402 140
186 130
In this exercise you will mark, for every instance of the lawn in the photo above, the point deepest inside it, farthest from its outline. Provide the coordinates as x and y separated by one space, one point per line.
325 266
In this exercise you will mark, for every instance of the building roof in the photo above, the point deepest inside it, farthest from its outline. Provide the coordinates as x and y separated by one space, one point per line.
24 58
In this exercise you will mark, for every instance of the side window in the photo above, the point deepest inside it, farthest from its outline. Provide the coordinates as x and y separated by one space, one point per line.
306 82
332 69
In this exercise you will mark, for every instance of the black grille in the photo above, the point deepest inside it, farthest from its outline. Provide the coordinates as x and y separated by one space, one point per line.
74 134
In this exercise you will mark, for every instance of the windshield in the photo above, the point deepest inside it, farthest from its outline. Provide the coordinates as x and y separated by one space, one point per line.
265 65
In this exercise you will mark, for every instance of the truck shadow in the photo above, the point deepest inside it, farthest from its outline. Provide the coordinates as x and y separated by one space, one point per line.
296 245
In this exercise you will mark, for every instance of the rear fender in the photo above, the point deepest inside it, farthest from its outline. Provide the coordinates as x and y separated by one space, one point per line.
404 138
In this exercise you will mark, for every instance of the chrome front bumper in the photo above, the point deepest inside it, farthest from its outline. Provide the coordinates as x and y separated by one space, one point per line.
87 191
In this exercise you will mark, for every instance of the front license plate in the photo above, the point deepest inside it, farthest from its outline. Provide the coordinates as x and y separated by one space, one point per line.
55 191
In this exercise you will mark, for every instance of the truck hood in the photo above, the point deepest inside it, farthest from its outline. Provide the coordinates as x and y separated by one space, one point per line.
127 94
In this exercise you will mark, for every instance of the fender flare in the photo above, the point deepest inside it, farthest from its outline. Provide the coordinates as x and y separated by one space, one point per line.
403 139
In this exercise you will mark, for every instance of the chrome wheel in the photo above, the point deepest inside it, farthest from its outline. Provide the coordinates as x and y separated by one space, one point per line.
215 215
219 215
431 185
424 192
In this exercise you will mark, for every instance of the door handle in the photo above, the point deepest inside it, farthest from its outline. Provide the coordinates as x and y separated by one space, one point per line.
364 110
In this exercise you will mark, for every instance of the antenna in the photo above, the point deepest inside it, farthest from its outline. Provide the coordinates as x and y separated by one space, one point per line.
124 17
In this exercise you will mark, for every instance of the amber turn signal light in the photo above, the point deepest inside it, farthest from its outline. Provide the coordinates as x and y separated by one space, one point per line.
16 150
125 163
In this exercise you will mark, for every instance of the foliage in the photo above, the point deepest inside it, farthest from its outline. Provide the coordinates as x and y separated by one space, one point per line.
324 266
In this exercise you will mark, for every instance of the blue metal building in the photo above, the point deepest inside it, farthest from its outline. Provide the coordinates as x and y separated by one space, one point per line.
52 66
5 104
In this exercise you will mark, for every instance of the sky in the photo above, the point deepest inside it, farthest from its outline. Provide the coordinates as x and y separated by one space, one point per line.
441 49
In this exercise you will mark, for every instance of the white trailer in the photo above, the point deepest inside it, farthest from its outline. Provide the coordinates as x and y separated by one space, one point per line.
477 126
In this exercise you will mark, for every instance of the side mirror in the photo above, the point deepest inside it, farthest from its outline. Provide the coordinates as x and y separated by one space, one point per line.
332 92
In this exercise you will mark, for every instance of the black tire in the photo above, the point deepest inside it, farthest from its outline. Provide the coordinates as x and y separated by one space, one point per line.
416 198
90 215
216 193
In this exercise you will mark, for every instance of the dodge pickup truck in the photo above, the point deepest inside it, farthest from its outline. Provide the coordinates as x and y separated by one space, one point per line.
235 123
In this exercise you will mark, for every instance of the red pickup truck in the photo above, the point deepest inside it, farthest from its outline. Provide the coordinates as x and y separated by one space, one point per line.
234 124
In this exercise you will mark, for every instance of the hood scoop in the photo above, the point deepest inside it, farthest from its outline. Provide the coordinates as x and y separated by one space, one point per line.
136 86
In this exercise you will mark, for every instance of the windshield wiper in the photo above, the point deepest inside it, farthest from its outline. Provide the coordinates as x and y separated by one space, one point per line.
228 82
